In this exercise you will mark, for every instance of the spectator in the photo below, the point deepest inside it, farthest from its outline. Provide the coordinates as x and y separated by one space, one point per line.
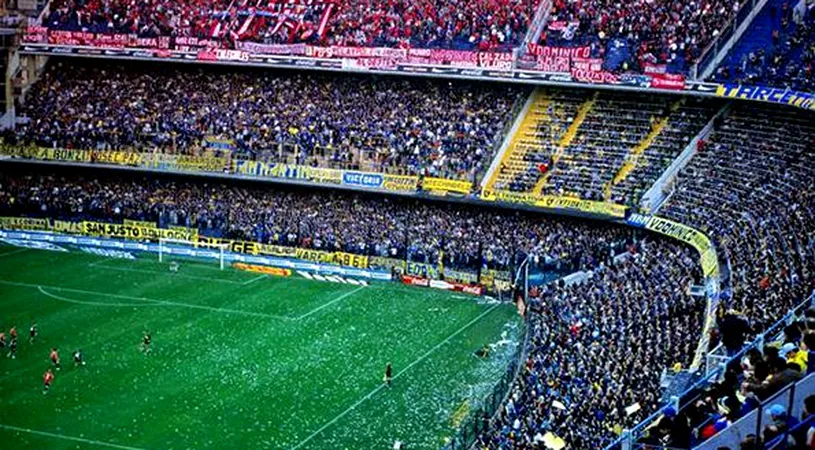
433 128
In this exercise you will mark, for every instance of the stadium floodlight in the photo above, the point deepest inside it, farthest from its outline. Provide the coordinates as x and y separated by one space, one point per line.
192 249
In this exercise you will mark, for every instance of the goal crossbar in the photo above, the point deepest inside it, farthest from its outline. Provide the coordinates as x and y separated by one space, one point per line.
167 246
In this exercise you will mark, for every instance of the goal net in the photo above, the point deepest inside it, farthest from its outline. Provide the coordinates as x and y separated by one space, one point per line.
177 250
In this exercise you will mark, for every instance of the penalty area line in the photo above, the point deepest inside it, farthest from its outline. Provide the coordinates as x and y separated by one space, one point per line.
325 305
398 374
14 252
145 299
68 438
257 278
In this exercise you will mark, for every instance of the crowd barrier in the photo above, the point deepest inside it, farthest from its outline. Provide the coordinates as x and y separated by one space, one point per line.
536 64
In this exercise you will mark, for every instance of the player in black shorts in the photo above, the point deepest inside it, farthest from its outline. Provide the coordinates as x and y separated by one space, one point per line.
2 340
12 348
79 358
146 340
388 374
32 333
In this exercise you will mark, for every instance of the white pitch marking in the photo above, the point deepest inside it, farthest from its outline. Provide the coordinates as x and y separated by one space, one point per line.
158 302
257 278
401 372
325 305
81 302
69 438
14 252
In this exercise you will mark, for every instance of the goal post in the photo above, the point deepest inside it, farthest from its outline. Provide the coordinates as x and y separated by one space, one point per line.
168 249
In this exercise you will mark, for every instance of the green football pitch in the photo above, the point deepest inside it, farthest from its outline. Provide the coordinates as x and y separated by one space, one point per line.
238 361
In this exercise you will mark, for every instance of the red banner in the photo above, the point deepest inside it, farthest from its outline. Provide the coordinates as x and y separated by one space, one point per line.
415 281
444 285
556 59
668 81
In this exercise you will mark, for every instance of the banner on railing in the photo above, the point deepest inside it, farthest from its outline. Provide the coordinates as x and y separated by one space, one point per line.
287 171
399 183
444 185
48 154
185 162
803 100
137 232
24 223
319 256
557 202
684 233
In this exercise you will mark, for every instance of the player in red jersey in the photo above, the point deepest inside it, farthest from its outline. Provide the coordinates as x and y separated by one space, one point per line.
55 357
47 379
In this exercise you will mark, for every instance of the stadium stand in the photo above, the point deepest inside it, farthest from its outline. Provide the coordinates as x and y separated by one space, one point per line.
483 24
459 236
598 146
595 360
778 49
755 201
757 388
391 125
630 35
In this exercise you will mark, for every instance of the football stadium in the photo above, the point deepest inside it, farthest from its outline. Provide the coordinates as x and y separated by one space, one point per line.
407 225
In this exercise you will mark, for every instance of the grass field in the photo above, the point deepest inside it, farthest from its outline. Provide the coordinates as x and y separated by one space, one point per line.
239 360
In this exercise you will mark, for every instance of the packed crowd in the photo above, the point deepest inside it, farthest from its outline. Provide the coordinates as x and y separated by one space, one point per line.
598 349
482 24
459 236
435 128
780 52
756 203
747 385
622 146
652 32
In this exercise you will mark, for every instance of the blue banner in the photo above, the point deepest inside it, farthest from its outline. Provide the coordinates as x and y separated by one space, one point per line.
363 179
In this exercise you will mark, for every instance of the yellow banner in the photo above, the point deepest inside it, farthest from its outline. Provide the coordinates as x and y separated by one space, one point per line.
54 154
376 262
256 248
267 270
139 223
65 226
691 236
337 258
184 162
24 223
399 182
557 202
288 171
116 230
116 157
443 185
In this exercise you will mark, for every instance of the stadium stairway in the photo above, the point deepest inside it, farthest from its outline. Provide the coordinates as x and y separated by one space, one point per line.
542 131
634 157
566 140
